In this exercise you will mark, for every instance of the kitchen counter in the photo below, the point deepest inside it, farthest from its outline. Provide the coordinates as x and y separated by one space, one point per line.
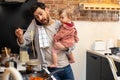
102 54
97 65
19 67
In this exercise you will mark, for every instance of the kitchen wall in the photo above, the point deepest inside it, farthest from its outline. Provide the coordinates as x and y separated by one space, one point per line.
88 32
55 5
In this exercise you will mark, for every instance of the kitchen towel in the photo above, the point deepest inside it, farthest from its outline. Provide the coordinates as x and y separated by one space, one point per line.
43 37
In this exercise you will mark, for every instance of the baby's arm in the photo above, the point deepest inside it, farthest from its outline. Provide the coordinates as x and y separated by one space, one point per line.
61 34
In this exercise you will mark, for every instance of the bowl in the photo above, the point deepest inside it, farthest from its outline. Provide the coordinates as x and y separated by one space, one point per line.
33 62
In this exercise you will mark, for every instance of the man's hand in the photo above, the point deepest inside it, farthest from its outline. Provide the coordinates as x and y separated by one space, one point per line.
19 34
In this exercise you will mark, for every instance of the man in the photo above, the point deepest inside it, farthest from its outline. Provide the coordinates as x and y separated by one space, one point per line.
42 30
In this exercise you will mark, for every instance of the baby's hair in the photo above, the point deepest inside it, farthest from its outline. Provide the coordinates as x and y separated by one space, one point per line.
68 10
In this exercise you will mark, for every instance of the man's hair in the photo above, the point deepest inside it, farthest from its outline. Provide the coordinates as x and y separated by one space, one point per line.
37 5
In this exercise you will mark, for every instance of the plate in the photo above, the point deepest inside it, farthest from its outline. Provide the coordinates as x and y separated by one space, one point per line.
33 62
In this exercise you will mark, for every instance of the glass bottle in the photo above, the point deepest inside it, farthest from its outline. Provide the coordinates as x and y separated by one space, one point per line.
24 57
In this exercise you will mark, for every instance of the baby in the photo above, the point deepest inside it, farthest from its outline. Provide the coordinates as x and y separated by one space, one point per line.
65 37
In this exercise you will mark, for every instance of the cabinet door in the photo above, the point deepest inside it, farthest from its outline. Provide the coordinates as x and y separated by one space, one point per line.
106 73
93 67
118 67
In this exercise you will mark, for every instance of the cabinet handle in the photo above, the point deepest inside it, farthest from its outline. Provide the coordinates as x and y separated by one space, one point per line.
94 57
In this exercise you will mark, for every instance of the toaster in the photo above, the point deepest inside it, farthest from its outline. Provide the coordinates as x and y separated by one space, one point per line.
99 45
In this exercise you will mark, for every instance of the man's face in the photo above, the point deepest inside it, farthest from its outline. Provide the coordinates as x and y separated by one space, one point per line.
42 16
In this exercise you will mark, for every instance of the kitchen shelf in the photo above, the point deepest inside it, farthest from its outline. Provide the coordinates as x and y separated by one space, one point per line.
99 11
99 6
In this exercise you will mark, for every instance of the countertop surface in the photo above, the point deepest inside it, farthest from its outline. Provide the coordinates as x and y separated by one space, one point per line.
19 67
102 54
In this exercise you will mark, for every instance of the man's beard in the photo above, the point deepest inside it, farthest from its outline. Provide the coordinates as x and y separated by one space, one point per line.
42 22
46 21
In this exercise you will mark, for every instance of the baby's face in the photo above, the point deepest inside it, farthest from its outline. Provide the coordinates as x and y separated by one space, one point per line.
64 18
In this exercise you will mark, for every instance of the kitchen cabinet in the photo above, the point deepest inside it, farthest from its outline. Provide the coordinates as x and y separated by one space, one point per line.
98 68
106 73
93 67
